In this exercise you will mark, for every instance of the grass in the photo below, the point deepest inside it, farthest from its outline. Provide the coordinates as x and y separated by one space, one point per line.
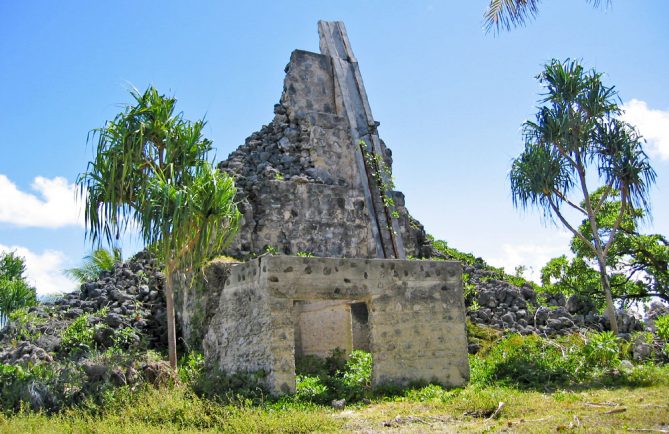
428 409
172 410
518 384
469 410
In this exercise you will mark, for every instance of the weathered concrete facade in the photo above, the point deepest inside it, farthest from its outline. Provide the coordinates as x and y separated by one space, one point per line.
415 316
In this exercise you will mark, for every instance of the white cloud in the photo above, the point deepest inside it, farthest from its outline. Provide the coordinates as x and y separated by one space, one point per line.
54 206
652 124
533 255
44 270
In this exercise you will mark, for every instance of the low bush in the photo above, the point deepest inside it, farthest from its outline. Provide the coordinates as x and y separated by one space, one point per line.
334 378
662 327
447 252
481 336
219 386
502 368
526 361
602 350
38 387
24 325
78 336
533 362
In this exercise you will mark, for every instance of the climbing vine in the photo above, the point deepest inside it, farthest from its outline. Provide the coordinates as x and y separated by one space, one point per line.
382 175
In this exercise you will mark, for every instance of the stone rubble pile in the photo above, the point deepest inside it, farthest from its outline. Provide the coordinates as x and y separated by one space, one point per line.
280 150
501 305
89 340
130 297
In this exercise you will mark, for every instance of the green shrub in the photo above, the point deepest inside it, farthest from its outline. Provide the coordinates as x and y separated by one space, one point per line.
358 370
467 258
25 324
191 366
335 377
39 387
310 388
482 335
525 361
126 338
310 365
602 350
78 336
533 362
647 374
213 383
451 253
662 327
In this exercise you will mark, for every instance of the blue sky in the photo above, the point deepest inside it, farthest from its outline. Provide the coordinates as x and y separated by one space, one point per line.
450 100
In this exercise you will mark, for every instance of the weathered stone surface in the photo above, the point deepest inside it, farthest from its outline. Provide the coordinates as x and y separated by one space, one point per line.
195 305
415 316
322 326
300 187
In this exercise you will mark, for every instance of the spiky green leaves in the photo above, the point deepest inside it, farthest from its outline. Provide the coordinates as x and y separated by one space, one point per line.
576 129
145 141
623 163
151 168
576 135
189 222
509 13
537 174
94 264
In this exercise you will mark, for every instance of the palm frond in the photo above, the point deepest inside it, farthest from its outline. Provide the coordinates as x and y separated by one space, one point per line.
505 14
94 264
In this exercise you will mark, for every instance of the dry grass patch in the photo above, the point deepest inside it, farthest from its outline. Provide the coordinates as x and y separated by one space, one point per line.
473 410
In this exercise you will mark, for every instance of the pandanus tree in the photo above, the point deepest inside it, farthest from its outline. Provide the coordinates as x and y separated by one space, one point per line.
578 145
151 170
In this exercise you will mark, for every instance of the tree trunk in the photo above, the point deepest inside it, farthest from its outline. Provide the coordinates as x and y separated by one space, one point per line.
171 323
610 308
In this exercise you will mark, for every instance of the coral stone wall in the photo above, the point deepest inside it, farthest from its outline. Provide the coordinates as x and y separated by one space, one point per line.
415 316
299 186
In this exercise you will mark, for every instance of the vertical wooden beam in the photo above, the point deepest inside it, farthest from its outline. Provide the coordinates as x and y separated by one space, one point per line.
385 227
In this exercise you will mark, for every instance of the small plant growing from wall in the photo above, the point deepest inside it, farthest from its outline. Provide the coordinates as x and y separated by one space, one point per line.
382 176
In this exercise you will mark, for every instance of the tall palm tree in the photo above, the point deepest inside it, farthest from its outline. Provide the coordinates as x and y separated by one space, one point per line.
150 168
577 142
504 14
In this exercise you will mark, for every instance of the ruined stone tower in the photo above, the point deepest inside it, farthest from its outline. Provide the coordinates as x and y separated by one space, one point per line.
317 179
